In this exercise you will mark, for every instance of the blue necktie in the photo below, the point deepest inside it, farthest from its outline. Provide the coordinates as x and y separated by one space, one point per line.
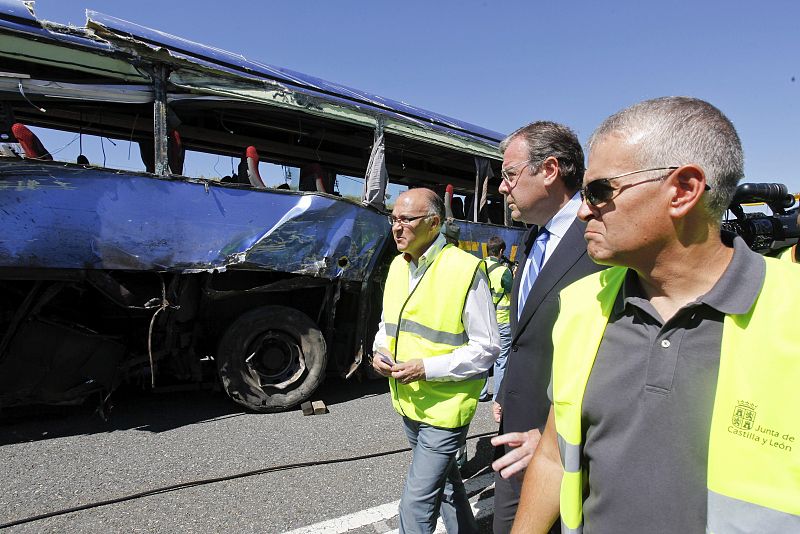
537 257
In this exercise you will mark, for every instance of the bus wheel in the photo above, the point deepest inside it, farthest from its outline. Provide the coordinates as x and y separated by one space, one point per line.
271 358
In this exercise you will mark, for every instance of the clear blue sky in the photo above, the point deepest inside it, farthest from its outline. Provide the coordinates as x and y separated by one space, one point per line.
503 64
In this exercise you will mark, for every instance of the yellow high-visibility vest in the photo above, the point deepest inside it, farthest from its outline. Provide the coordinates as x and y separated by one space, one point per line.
788 254
753 476
428 323
502 299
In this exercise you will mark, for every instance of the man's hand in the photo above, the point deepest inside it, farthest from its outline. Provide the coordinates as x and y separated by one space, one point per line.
497 411
517 460
538 501
409 371
378 363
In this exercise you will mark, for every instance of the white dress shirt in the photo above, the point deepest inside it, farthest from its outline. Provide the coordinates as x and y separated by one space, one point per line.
557 226
480 324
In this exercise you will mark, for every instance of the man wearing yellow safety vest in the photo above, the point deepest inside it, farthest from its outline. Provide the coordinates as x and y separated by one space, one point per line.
676 371
436 339
500 282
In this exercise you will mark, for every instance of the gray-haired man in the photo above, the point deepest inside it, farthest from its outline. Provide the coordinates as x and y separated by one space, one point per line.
675 371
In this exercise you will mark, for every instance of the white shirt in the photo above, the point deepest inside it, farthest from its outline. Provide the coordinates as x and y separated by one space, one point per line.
557 226
480 324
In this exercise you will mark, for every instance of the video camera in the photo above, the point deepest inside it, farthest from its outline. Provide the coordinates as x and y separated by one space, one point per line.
764 233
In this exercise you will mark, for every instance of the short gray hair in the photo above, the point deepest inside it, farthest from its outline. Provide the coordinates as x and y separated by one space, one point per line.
679 130
436 206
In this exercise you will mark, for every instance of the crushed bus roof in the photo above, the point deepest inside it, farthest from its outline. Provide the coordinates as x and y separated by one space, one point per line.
109 38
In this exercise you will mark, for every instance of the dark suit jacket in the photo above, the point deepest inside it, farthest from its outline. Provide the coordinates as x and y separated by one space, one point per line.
523 393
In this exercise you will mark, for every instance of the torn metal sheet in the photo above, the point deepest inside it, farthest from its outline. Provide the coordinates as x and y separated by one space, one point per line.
377 176
116 93
327 106
40 48
111 27
110 34
106 220
17 19
107 39
19 10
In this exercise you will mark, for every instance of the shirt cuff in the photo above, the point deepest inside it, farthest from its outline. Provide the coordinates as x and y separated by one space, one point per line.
437 367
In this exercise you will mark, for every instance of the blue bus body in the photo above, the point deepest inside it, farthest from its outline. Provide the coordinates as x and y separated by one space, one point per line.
109 276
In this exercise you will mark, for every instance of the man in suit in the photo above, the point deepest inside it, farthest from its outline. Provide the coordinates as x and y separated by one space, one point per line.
542 173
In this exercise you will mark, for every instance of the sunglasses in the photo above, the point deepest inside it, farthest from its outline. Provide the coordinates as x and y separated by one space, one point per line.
599 191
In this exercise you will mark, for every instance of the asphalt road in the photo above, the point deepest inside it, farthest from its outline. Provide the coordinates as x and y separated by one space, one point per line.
53 460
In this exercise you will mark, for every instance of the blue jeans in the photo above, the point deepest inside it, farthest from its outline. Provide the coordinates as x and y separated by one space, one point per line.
434 482
500 362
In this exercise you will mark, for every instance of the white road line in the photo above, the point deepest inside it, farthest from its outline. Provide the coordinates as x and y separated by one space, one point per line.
386 511
380 527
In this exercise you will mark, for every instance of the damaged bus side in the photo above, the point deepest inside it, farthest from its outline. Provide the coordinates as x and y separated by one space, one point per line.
110 275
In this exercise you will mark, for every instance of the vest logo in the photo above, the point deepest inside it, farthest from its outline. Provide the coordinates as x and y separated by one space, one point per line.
743 424
744 415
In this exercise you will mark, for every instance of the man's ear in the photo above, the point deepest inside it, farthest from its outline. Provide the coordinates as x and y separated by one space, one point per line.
687 186
551 170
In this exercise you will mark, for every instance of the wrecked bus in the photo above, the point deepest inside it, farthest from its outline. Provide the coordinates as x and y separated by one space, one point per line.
148 276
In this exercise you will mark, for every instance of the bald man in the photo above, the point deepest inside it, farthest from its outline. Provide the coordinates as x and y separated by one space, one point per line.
436 339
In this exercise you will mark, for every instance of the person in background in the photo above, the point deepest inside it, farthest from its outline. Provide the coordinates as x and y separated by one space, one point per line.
542 172
500 282
436 339
675 371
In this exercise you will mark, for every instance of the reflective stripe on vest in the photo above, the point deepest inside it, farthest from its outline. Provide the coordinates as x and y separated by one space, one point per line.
727 515
502 300
434 336
753 473
431 325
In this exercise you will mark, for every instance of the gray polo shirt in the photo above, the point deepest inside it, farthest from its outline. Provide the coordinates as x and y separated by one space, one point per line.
648 403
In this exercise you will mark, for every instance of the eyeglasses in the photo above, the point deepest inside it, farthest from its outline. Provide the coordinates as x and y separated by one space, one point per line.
404 220
511 180
598 191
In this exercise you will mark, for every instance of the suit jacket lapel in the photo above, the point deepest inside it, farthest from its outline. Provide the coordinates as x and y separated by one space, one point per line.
568 252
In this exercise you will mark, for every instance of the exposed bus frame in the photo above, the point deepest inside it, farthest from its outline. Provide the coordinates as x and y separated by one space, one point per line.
336 251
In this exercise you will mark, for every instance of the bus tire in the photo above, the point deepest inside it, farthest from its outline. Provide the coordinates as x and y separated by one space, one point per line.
271 358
